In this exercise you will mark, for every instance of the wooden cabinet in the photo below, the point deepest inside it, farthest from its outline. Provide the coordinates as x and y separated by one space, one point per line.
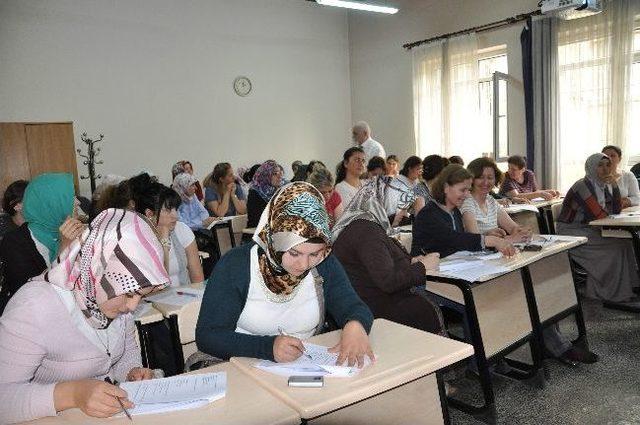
29 149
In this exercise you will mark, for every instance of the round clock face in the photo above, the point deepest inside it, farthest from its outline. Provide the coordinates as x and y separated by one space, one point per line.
242 86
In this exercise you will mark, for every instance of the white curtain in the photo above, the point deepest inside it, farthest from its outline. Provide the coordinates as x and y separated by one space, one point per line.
445 97
594 89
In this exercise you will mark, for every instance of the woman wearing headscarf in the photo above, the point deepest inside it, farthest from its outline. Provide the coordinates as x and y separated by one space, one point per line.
191 212
58 358
266 180
263 299
609 262
383 274
49 208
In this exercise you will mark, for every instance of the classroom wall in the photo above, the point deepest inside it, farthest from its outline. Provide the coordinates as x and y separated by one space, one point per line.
381 75
155 77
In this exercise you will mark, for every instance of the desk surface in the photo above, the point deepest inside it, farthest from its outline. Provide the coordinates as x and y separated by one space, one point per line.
169 309
403 354
630 220
525 258
244 403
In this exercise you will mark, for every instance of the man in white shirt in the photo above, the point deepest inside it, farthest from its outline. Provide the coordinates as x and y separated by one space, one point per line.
361 134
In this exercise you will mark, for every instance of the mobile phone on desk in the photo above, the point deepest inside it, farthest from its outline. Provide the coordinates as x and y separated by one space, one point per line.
532 248
306 381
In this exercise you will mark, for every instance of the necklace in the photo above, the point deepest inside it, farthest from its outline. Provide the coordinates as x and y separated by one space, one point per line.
106 346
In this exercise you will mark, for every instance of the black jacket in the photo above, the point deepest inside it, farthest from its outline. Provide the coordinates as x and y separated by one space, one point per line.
21 261
433 232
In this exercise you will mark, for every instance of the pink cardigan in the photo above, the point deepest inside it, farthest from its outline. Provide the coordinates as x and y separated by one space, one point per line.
40 346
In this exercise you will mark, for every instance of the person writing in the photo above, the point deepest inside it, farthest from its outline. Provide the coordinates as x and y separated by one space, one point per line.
68 329
264 298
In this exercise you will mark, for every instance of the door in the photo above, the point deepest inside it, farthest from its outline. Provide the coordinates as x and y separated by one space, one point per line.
51 149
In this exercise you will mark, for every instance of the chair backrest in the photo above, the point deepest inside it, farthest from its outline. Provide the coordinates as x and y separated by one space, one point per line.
187 320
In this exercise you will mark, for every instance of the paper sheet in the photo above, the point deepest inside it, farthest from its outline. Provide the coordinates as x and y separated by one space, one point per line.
511 209
171 296
175 393
475 273
322 362
220 221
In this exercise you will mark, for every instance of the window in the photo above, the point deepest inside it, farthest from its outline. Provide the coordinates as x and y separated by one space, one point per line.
492 68
634 131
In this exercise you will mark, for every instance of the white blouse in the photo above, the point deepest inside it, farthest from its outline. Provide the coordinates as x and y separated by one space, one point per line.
628 185
298 317
347 192
486 221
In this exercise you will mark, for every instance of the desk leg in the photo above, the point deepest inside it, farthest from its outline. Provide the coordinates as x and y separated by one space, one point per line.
231 236
486 412
635 238
175 342
550 225
443 400
146 346
543 226
537 343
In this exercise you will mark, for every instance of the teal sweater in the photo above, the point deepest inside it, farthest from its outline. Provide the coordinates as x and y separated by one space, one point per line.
226 294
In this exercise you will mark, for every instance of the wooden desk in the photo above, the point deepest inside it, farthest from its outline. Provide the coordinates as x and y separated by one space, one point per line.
245 403
540 221
507 310
182 325
626 226
408 360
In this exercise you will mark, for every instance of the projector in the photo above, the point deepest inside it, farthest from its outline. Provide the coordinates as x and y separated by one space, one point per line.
571 9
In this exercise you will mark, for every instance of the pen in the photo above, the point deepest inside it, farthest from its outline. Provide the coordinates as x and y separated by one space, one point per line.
304 350
187 294
126 412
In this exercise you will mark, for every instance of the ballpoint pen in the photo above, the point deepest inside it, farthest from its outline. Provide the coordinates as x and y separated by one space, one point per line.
188 294
126 412
304 350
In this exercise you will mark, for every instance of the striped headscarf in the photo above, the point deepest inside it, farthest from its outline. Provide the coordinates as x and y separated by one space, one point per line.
119 253
261 181
181 183
295 214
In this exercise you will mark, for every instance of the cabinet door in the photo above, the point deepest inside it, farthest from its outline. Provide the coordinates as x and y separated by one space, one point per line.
51 149
14 160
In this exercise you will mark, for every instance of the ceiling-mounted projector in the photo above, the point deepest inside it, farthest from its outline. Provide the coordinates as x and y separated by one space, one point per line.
571 9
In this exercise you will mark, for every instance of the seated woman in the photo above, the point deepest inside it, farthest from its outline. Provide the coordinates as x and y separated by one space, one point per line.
12 218
626 181
188 168
392 166
481 213
322 180
403 201
376 167
58 358
222 196
159 204
348 173
268 178
521 183
263 299
432 166
609 262
49 207
190 212
438 226
383 274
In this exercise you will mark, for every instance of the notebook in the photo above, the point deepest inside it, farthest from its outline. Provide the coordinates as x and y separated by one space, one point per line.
175 393
319 363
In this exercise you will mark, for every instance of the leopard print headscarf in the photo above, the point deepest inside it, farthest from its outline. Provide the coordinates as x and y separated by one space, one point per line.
295 214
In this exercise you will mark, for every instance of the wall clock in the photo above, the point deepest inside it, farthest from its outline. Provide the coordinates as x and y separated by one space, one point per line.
242 86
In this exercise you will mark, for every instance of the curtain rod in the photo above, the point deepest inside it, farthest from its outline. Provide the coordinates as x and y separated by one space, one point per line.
486 27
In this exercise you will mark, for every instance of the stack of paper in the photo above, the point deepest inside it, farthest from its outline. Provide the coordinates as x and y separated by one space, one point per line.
175 393
317 361
220 221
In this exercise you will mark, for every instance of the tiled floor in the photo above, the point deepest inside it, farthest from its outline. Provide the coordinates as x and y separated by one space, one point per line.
607 392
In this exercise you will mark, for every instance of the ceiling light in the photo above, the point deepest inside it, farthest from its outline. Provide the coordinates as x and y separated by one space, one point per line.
358 6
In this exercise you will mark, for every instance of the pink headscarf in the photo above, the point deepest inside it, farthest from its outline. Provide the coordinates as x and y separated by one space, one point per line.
120 253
